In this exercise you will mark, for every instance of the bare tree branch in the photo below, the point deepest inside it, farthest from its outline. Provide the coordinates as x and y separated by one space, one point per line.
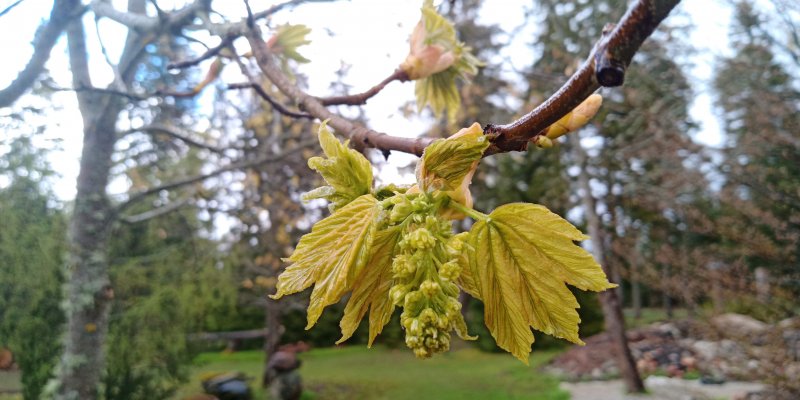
361 98
226 41
156 212
274 103
63 12
359 135
176 133
135 197
9 8
606 64
143 23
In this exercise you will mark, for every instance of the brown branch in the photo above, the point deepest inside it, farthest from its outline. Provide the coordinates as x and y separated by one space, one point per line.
156 212
135 197
175 133
604 67
359 135
227 40
62 13
361 98
274 103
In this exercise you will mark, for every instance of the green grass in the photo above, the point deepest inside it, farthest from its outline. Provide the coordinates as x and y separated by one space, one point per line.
10 381
356 372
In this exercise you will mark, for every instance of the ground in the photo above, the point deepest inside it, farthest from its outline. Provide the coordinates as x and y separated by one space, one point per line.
660 388
355 372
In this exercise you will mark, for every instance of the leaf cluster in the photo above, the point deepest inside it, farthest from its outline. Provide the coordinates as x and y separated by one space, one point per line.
395 247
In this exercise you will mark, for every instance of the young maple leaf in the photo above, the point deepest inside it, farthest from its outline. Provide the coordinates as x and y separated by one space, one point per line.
522 259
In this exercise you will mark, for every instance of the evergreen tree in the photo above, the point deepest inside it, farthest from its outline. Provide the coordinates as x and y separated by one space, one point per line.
31 249
761 164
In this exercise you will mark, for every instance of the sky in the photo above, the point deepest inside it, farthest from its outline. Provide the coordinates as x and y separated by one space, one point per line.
371 36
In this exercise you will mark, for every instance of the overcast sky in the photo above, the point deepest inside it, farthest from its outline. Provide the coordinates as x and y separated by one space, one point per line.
369 35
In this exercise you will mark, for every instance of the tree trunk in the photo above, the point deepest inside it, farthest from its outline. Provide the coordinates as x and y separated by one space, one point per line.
636 292
272 322
612 308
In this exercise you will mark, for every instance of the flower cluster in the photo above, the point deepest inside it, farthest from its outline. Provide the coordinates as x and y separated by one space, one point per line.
424 272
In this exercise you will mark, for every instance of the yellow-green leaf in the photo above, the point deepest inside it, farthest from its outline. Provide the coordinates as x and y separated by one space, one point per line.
288 38
524 256
332 255
347 172
371 288
436 59
446 162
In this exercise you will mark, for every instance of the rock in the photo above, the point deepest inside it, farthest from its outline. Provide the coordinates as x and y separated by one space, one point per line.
738 325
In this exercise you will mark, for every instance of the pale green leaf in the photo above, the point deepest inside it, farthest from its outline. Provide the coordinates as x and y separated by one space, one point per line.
371 288
288 38
524 256
347 172
446 162
332 255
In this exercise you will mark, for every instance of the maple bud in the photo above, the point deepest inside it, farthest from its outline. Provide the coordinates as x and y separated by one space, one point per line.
423 59
576 118
421 239
450 270
430 288
398 293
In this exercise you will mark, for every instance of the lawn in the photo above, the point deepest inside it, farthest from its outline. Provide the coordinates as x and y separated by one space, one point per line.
355 372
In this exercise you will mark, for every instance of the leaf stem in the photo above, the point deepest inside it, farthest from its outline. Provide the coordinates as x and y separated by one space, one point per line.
471 212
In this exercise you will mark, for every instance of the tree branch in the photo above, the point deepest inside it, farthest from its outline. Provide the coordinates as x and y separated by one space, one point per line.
360 136
143 23
135 197
361 98
176 133
274 103
62 13
604 67
156 212
227 40
9 8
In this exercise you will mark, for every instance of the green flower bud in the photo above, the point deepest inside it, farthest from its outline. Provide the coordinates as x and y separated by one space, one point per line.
430 288
450 270
427 316
398 293
421 239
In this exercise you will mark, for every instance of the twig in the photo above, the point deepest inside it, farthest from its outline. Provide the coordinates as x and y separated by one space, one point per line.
360 136
9 8
274 103
606 65
361 98
156 212
176 134
92 89
135 197
613 54
211 52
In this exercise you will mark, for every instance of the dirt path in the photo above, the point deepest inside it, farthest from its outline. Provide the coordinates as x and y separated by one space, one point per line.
660 388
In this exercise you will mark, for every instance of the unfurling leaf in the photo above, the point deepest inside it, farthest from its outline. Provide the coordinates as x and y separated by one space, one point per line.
332 255
522 259
287 39
371 288
435 60
347 172
446 162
